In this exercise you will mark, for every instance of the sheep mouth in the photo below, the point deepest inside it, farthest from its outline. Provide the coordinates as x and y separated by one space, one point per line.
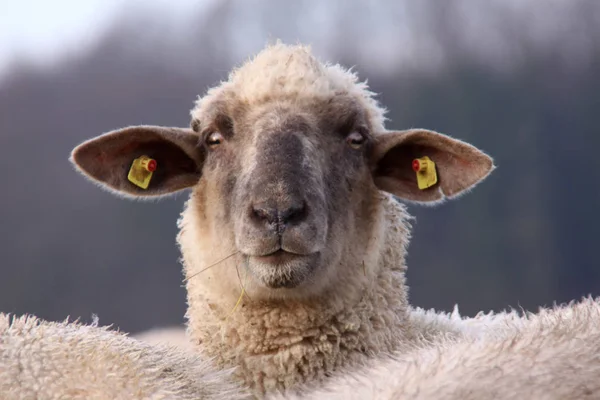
282 269
278 257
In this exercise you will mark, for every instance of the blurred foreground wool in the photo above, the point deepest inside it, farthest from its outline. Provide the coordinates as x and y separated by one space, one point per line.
551 355
49 360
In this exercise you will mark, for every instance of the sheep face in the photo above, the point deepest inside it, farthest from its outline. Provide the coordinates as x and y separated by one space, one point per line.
286 160
293 178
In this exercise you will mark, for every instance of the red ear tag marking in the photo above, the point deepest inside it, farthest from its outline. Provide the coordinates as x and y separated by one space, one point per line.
150 165
418 166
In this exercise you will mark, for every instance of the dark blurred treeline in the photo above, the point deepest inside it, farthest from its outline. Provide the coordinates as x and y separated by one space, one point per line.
520 80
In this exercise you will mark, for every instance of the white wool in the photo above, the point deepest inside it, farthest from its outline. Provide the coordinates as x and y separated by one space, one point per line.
554 354
431 324
48 360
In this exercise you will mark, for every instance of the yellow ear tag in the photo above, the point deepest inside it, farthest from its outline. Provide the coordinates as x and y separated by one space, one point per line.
426 174
141 171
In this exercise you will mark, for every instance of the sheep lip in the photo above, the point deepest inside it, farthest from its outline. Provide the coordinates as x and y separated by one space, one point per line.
278 257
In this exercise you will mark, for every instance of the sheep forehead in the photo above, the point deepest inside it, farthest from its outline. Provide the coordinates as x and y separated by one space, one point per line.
282 72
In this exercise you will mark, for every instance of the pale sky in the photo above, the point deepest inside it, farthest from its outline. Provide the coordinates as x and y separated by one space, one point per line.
47 29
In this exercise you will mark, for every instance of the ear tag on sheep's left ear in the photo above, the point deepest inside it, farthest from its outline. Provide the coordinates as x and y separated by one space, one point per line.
426 173
141 171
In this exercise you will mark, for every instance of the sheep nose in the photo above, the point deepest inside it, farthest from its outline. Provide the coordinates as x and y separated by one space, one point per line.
279 217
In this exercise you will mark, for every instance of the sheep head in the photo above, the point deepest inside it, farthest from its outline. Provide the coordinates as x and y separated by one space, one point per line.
286 160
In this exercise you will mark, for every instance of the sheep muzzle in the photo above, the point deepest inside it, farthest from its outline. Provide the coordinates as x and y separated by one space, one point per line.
282 222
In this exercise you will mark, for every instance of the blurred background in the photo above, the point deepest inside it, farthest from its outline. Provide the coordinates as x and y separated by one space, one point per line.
519 79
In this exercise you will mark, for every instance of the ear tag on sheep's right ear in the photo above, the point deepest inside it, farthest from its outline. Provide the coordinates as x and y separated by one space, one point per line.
426 173
141 171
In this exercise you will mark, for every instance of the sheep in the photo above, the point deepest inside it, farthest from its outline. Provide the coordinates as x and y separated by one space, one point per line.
293 249
554 354
292 239
49 360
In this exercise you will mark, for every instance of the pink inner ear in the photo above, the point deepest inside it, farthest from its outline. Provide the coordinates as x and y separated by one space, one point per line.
398 161
459 165
126 149
108 158
103 157
395 173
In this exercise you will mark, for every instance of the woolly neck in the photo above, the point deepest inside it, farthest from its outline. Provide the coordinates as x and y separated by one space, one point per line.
279 344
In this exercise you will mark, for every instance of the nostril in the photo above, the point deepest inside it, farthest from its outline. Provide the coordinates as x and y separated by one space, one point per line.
261 213
293 214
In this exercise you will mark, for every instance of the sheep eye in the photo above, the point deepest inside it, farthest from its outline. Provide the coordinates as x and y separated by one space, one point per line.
355 140
214 139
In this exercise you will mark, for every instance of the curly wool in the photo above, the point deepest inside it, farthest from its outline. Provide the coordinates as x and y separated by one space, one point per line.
49 360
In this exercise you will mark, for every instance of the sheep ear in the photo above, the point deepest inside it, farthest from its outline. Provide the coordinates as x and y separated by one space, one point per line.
107 159
459 166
